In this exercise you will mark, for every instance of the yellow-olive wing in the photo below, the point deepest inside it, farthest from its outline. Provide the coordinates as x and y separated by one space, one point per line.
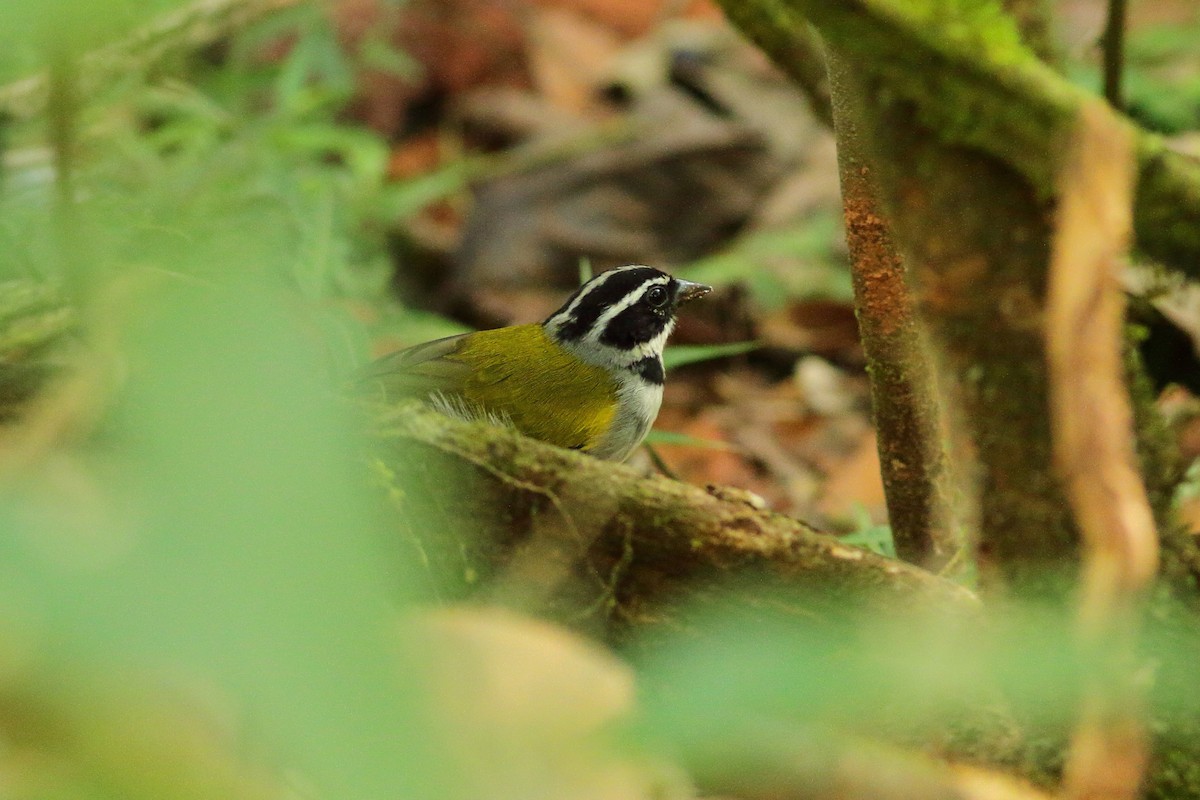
514 376
417 371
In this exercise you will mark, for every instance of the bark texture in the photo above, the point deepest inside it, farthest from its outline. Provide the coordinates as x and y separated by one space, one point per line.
968 131
598 544
904 397
972 84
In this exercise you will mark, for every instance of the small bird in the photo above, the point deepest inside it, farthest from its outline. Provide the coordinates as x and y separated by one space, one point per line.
589 378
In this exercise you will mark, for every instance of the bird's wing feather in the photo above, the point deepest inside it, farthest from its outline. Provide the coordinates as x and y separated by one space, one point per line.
417 370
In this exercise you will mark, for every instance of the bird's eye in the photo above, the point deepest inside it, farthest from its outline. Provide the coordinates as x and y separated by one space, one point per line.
657 296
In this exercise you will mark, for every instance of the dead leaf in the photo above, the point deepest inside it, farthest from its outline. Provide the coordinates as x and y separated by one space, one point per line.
825 327
416 155
455 44
631 18
855 483
618 203
569 57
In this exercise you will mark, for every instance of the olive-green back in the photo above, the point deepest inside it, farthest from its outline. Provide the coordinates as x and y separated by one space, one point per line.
516 373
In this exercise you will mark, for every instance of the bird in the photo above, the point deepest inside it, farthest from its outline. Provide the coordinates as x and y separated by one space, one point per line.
588 378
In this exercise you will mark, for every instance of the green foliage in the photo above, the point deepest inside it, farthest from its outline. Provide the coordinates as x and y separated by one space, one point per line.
779 266
753 690
671 437
867 534
1161 77
217 528
982 25
221 531
682 355
36 35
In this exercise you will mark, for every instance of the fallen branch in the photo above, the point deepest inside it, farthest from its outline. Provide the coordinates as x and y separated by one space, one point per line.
563 531
637 539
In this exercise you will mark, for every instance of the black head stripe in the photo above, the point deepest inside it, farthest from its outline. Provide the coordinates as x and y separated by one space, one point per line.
650 368
596 296
635 325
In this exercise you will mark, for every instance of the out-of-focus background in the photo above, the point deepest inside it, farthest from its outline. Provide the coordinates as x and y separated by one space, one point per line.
436 165
610 133
211 213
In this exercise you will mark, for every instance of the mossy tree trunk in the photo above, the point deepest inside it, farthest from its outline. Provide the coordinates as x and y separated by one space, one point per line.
965 127
978 237
963 133
904 397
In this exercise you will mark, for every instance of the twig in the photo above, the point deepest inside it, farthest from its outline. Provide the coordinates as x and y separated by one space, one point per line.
788 40
904 399
1113 43
662 466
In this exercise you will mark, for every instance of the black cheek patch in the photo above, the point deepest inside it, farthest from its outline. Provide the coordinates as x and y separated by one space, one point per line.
599 299
635 325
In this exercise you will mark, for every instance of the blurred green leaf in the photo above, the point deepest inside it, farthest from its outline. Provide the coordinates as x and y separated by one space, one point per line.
361 151
315 72
749 677
684 354
403 199
781 265
223 531
869 535
36 36
379 54
656 436
218 528
411 326
854 670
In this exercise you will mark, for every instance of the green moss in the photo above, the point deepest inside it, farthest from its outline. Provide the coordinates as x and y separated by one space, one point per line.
979 25
1175 772
962 65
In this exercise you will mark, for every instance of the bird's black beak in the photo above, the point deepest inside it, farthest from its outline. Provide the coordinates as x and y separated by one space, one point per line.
690 291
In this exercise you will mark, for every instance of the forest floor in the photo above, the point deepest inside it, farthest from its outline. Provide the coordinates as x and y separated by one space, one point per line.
650 133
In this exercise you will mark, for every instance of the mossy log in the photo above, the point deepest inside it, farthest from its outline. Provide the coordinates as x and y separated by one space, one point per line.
600 544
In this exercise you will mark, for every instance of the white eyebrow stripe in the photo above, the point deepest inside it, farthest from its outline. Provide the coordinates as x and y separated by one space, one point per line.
567 314
592 286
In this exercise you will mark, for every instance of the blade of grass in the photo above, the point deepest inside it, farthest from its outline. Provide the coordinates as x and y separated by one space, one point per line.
681 355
